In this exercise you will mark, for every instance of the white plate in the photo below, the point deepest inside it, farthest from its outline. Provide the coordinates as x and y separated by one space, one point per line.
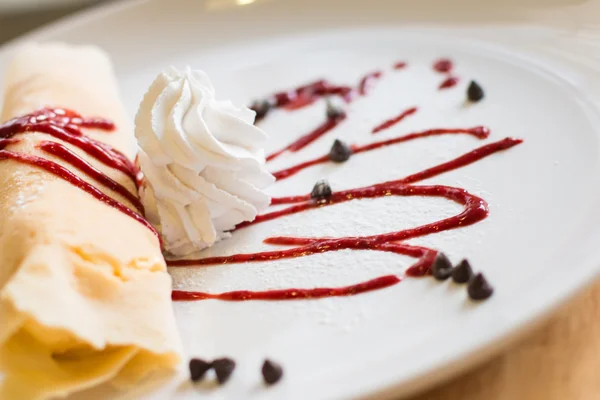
538 245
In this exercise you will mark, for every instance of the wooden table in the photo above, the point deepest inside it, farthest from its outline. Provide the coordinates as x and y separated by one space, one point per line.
558 361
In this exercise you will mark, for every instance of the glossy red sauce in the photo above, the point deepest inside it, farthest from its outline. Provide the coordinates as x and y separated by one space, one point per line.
306 95
67 125
400 65
443 65
62 152
393 121
449 82
446 66
474 210
290 294
366 82
478 131
310 137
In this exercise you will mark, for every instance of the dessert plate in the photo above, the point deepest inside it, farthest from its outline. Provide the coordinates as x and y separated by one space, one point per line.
537 246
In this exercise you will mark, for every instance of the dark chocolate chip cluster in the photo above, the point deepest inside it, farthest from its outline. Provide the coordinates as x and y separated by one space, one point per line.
478 287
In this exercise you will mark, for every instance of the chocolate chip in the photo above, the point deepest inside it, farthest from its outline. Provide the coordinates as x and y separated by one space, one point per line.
223 369
271 372
340 151
441 267
261 107
463 272
321 190
198 368
479 288
475 92
334 111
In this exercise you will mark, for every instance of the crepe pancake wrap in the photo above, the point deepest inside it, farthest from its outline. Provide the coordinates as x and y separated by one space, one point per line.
84 291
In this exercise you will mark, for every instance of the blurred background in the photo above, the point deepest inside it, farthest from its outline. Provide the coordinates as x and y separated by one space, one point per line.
20 16
579 16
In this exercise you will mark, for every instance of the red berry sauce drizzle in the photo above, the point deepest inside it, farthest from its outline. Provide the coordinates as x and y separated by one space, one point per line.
475 208
307 94
400 65
445 66
393 121
66 125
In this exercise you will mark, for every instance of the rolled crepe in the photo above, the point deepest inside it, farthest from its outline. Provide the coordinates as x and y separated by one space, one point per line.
84 291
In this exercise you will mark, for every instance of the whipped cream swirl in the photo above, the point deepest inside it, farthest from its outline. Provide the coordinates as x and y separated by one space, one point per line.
202 159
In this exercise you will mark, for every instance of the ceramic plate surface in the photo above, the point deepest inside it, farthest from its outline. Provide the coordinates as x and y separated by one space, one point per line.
538 245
